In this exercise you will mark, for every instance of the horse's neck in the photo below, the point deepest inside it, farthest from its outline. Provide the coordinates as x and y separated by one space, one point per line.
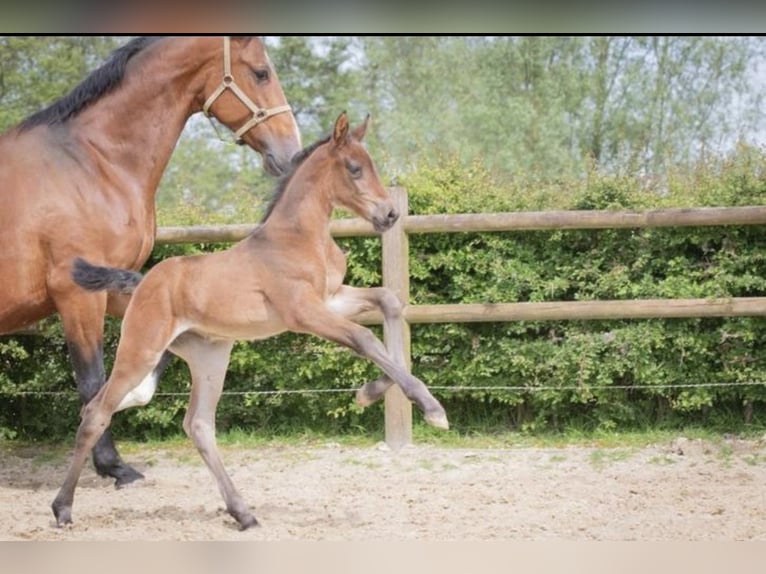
132 132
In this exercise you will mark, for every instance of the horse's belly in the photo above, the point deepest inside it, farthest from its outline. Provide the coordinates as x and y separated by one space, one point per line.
17 315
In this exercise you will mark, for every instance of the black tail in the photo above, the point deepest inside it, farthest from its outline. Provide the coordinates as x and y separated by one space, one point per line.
95 278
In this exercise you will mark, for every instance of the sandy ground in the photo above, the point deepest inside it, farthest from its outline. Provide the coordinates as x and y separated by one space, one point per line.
684 490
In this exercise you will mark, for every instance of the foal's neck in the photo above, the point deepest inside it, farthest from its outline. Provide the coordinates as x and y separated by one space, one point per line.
305 207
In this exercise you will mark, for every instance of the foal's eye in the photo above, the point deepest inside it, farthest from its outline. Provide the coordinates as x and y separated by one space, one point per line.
354 169
261 74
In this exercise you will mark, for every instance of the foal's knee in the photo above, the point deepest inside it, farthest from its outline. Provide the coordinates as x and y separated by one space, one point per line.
390 303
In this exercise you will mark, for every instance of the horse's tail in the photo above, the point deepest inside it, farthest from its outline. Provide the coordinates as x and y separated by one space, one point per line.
96 278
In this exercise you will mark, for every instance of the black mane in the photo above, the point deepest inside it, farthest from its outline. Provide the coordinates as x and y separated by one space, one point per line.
98 83
295 162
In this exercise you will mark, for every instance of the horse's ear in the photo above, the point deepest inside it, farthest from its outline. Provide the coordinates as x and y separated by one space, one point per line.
358 132
340 132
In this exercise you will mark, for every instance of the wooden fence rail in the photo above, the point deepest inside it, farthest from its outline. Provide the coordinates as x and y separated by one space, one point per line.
398 410
515 221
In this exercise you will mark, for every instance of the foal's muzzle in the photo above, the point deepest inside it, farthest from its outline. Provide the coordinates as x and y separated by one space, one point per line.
385 220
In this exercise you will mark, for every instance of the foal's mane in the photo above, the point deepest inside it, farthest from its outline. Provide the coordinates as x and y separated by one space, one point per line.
284 180
96 84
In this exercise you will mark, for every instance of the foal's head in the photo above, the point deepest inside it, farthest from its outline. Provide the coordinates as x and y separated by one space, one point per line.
356 184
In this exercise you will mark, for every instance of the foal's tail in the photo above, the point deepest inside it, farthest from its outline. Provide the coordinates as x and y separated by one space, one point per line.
96 278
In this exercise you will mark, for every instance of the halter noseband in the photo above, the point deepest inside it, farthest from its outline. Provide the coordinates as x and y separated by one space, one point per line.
228 83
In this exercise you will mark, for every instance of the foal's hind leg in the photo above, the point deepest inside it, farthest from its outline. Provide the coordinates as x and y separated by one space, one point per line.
128 372
145 336
117 303
208 361
82 316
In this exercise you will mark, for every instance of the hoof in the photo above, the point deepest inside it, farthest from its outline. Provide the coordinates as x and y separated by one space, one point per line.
372 391
362 399
123 475
248 522
438 420
63 513
127 478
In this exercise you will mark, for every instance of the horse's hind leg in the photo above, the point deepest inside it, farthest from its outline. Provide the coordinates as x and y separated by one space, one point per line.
82 316
208 361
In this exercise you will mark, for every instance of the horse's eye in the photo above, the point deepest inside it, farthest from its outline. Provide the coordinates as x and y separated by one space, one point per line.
354 169
261 74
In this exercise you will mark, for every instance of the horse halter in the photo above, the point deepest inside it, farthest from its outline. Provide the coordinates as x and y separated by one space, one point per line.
228 83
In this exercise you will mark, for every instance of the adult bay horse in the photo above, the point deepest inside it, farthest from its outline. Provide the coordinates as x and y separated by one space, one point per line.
79 178
286 275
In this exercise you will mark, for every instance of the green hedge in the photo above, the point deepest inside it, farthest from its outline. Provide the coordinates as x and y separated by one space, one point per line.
582 374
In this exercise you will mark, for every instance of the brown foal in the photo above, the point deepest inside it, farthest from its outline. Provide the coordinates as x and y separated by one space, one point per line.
286 275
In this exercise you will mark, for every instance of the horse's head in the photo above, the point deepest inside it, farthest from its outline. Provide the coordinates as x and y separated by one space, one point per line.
357 185
243 92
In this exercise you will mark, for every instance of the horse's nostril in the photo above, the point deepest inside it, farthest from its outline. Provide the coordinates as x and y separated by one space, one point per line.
393 215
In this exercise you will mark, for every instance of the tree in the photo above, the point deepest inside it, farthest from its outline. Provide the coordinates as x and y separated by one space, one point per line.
553 106
35 70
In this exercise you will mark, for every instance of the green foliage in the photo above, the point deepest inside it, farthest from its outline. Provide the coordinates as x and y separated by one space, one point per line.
597 374
35 70
529 376
545 107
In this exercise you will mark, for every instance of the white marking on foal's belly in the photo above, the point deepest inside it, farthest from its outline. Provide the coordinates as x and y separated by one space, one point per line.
142 394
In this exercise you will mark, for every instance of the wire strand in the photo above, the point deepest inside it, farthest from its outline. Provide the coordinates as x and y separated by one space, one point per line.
484 388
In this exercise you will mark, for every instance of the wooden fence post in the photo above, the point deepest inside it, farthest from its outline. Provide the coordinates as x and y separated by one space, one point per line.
396 276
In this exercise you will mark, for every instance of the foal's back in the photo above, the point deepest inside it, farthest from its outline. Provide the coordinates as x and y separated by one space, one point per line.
218 295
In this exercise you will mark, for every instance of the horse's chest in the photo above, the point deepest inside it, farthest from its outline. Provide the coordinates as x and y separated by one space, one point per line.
336 268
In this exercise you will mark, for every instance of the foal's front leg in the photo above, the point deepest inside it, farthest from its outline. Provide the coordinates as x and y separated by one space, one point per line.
313 316
352 301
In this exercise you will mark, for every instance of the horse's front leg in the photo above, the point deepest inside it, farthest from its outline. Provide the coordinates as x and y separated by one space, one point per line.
96 417
352 301
82 317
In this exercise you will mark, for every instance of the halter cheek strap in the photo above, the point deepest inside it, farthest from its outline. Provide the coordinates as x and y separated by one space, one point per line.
228 83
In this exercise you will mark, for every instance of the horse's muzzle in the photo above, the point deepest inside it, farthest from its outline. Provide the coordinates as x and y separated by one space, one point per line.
273 166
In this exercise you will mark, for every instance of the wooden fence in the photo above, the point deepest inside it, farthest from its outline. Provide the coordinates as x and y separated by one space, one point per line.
398 410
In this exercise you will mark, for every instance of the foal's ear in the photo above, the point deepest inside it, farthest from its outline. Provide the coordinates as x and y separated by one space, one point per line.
340 132
358 132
